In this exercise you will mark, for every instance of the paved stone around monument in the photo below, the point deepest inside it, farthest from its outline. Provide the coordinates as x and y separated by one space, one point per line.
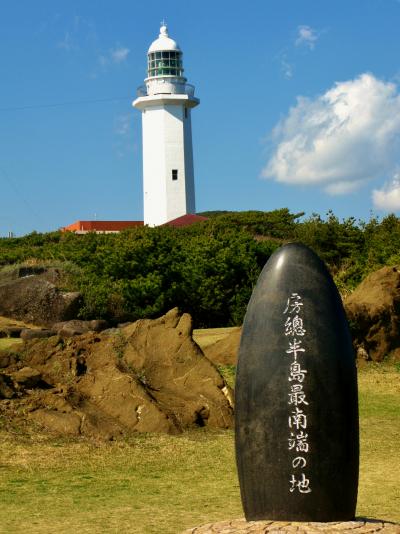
241 526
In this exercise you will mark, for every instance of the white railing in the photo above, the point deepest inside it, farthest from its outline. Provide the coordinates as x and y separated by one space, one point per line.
185 89
141 90
189 89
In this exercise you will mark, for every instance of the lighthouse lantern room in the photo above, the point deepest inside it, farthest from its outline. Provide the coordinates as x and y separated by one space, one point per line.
166 101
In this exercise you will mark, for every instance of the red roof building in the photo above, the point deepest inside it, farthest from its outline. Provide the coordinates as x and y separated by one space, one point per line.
114 227
100 227
186 220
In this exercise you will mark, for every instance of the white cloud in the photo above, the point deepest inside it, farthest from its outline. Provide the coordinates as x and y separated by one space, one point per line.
113 57
122 124
78 31
119 55
67 43
306 36
343 188
340 140
103 61
124 142
388 198
286 67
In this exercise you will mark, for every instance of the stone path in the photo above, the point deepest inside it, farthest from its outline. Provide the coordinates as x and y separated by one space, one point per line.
241 526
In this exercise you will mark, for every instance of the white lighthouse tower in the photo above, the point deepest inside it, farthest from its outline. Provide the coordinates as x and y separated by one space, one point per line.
166 101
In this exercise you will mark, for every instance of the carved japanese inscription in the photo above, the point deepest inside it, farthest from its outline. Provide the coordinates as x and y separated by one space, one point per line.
296 396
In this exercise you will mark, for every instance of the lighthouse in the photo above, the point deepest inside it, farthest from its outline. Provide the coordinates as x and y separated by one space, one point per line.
166 101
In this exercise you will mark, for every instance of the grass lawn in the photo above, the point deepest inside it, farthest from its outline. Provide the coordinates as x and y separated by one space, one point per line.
379 401
164 484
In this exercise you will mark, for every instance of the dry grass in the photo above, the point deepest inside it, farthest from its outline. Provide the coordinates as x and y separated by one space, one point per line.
379 397
157 483
9 342
146 485
5 322
207 336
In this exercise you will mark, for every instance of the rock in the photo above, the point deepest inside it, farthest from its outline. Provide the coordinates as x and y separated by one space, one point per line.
373 311
6 387
27 377
236 526
395 355
98 325
296 396
168 362
362 354
7 358
11 331
8 275
28 333
147 377
35 300
113 331
77 327
224 351
123 325
51 274
61 423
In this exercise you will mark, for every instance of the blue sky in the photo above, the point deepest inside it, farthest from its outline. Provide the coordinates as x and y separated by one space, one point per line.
300 106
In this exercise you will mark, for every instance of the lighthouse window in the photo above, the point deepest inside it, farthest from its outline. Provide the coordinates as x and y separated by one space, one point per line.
165 64
174 174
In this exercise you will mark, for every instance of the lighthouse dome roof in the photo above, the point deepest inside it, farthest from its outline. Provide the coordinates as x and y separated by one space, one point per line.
164 42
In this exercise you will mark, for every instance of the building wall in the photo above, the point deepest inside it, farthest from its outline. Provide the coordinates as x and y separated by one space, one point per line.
189 166
154 187
175 160
167 146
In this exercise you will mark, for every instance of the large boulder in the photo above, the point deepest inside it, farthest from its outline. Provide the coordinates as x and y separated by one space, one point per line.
76 327
51 274
34 299
164 357
8 274
10 331
149 376
30 333
225 351
373 311
27 377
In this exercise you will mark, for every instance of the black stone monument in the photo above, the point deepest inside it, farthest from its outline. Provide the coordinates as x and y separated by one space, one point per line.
296 434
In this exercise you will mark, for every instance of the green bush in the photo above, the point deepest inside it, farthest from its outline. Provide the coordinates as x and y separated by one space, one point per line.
207 269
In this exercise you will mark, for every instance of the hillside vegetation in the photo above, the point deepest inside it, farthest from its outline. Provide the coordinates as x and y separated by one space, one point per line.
208 269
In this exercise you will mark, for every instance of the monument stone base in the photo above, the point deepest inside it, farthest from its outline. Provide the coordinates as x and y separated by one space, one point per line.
241 526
